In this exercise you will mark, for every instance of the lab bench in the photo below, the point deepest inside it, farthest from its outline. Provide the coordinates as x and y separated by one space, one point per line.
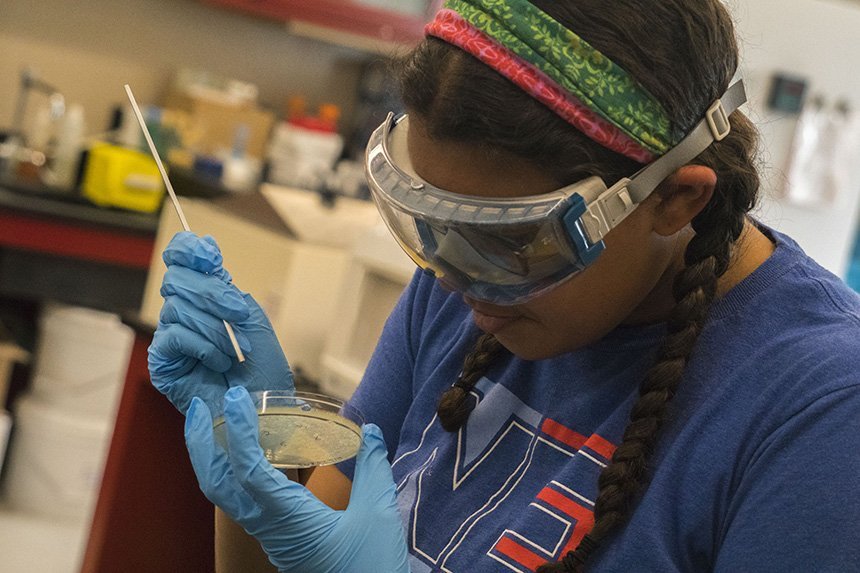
56 247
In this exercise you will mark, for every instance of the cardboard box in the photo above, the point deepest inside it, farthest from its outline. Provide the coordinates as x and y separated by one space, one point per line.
214 123
295 282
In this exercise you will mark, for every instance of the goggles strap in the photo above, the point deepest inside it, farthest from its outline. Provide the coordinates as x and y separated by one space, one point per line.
573 64
714 127
613 205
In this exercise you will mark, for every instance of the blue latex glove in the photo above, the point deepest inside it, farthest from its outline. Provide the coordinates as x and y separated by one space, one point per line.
191 354
298 532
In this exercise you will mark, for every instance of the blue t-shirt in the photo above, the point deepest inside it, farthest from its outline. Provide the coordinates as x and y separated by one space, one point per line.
757 469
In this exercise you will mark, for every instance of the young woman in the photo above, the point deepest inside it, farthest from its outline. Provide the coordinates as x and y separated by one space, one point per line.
604 365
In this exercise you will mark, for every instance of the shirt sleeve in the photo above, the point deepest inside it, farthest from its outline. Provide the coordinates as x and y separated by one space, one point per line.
385 393
797 507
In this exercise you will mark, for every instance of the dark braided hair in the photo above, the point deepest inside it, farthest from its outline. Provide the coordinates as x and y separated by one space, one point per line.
684 53
454 407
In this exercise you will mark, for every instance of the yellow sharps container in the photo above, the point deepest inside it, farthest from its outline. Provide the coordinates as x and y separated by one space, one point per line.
120 177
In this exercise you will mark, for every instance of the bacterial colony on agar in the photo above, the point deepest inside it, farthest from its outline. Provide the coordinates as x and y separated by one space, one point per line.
295 438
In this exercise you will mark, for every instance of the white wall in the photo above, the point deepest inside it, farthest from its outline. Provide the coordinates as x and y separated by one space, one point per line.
819 40
90 48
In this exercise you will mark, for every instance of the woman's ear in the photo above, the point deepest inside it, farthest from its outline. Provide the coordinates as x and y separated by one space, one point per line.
682 197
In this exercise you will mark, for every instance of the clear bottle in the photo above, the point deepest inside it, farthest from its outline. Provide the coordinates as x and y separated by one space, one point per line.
70 142
241 172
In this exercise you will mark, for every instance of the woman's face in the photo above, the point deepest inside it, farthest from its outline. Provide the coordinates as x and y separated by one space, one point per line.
625 284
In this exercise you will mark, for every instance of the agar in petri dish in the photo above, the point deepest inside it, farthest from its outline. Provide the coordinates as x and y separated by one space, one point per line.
302 430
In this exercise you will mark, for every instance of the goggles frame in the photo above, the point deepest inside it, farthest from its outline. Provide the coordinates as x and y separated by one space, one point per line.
587 210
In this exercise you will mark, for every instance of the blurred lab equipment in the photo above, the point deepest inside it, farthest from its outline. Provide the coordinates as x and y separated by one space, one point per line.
304 148
218 117
67 152
824 154
117 176
787 93
30 82
241 172
119 171
63 422
18 156
378 94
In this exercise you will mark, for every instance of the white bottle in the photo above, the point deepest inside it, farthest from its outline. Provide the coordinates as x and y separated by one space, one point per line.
41 129
70 142
129 134
241 172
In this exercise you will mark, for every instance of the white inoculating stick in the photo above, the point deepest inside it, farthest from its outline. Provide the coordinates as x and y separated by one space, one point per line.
175 200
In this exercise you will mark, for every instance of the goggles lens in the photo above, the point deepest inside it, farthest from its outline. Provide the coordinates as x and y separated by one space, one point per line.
503 251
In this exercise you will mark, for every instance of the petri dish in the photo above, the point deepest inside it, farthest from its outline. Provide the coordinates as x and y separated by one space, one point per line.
301 429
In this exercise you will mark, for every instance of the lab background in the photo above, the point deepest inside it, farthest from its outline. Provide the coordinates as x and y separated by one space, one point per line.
261 111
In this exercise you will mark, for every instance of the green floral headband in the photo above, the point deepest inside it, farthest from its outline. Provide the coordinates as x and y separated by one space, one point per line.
574 65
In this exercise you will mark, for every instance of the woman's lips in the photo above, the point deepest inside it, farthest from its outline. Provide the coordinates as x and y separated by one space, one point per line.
489 320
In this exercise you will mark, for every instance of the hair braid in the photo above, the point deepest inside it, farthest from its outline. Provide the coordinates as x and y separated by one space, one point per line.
706 258
454 406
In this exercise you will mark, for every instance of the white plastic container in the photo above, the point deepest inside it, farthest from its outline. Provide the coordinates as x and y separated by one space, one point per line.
56 460
5 429
301 157
70 141
81 359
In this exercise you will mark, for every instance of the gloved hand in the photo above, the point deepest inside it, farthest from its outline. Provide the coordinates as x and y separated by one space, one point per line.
191 354
298 532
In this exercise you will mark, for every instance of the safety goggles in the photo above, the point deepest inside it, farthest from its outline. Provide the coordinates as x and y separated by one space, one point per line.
509 250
